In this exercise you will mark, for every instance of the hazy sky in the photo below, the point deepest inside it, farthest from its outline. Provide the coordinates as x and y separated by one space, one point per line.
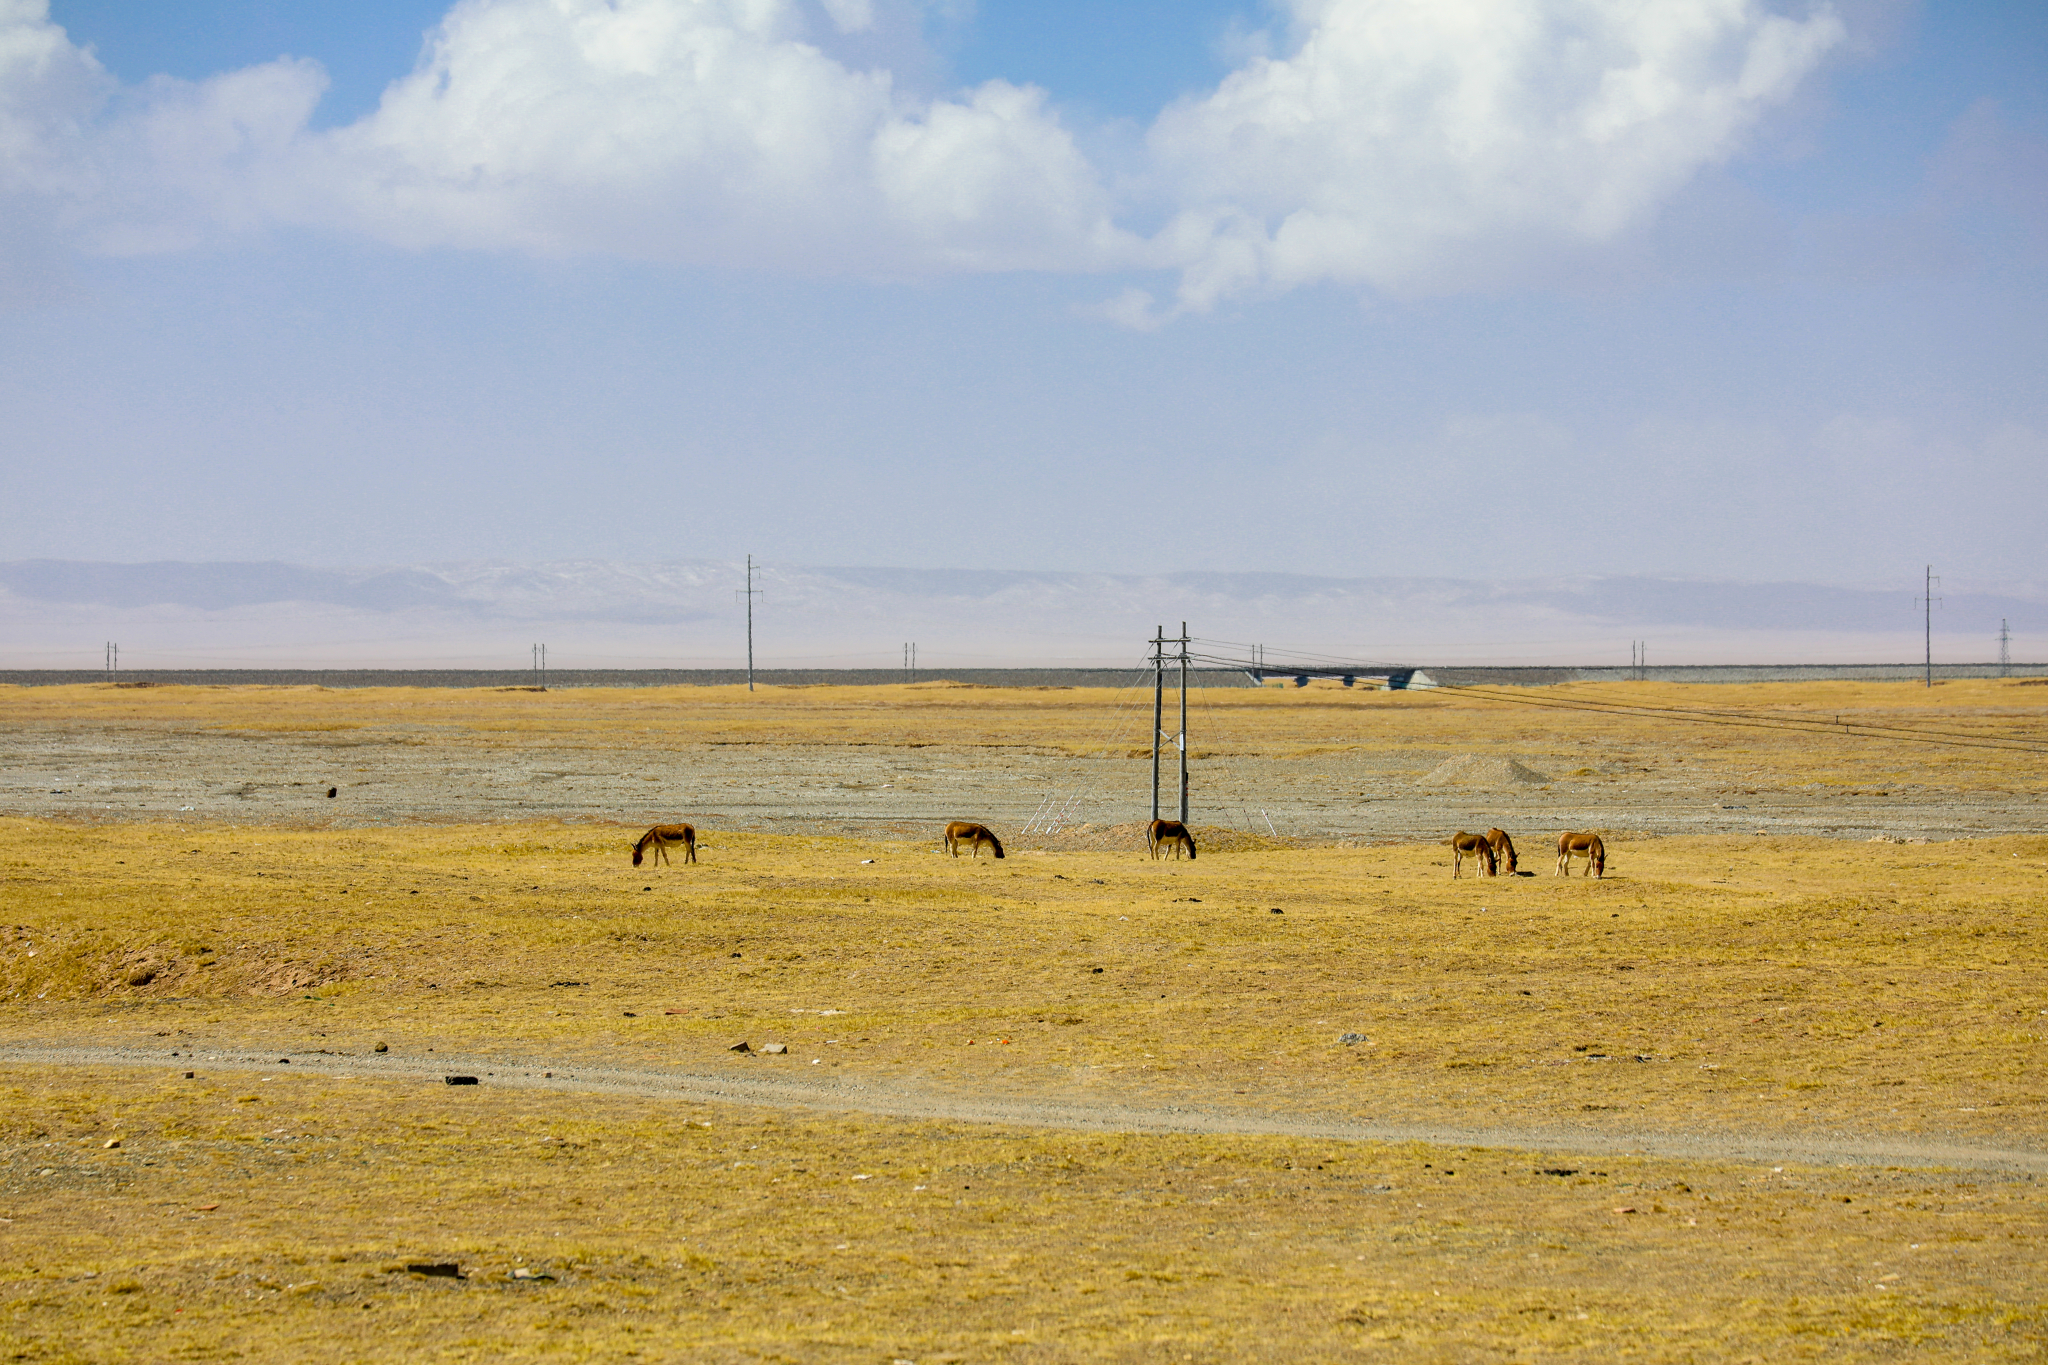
1479 288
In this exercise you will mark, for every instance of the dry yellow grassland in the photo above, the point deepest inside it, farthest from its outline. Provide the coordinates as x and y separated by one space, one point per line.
1269 722
1869 1017
272 1217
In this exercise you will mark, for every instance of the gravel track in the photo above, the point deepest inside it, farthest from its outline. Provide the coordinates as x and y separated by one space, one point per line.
745 1083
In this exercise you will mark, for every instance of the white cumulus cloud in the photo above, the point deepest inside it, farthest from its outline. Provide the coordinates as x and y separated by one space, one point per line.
1397 144
708 131
1403 142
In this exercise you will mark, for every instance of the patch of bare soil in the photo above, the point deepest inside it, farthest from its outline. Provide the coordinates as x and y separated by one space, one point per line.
1482 770
901 762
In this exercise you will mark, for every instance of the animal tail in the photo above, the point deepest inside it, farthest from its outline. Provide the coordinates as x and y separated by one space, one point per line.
995 843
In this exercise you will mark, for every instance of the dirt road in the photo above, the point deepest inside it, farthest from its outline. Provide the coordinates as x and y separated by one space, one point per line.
752 1081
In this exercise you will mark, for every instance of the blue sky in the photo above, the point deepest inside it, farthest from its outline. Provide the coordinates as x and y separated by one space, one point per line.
1496 289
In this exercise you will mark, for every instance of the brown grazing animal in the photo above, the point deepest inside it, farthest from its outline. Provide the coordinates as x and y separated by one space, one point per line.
1588 846
1503 849
1170 832
1472 846
661 836
960 832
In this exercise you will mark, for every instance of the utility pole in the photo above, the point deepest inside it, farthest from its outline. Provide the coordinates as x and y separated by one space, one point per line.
1158 706
113 660
749 592
1183 722
2004 648
1927 600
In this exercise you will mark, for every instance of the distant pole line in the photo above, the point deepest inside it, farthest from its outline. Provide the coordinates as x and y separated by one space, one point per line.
2004 647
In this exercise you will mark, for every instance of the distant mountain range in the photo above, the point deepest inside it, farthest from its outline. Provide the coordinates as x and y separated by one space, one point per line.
54 613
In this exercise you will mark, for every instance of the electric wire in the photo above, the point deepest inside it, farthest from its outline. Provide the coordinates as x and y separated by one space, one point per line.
1307 662
1843 729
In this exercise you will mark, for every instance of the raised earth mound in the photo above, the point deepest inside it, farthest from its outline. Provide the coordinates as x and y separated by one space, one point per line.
1480 770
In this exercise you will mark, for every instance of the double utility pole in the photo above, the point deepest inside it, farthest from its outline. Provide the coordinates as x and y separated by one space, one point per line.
1159 657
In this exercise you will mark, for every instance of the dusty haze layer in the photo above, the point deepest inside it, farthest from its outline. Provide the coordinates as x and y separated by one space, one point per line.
599 614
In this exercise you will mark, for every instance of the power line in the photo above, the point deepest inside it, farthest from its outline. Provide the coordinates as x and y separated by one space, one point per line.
1705 716
1851 729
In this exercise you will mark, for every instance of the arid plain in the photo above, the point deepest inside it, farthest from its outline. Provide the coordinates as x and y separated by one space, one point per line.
1772 1089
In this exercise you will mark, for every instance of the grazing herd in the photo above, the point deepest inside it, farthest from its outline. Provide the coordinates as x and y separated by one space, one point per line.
1491 852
